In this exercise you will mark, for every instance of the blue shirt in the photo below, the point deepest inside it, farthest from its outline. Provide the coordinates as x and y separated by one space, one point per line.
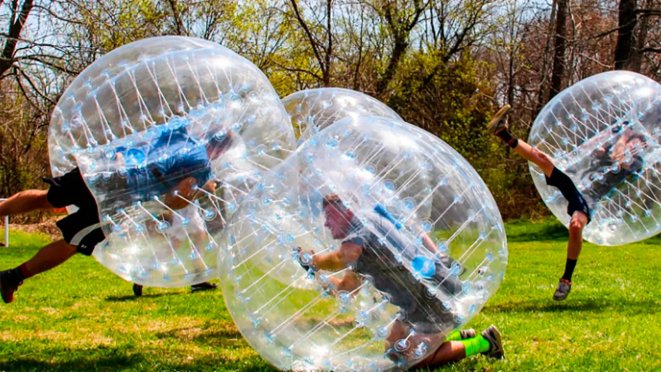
155 168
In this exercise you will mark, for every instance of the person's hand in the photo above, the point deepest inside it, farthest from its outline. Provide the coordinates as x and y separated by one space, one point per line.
617 153
304 258
184 189
210 186
119 158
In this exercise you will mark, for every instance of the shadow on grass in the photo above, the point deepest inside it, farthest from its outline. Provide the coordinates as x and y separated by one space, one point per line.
216 335
135 362
134 298
85 363
625 307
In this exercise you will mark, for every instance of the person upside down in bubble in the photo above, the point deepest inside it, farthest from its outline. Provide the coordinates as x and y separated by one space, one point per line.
620 147
617 157
174 175
422 316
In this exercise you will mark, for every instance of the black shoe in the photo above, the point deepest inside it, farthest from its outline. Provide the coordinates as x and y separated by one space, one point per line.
137 290
206 286
467 333
9 284
492 335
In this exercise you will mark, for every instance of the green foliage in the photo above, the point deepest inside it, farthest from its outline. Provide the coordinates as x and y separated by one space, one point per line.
453 101
443 65
23 143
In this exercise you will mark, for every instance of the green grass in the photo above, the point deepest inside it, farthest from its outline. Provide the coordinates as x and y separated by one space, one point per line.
81 317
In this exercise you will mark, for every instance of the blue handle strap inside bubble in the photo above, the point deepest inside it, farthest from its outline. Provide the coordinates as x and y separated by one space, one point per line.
383 212
420 264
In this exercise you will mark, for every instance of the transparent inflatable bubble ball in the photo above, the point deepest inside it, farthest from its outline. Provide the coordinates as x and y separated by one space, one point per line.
362 250
603 133
168 134
314 109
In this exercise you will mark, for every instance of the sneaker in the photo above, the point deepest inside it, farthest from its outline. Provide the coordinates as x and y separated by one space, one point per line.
492 335
8 285
467 333
206 286
498 121
564 287
137 290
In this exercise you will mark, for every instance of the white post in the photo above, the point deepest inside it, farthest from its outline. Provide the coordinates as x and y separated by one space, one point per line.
6 229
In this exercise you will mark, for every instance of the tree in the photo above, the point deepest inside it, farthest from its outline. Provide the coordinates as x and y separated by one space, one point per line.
625 48
559 53
400 18
321 41
17 21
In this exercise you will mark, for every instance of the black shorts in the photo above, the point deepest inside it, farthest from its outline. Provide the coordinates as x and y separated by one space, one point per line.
576 201
429 316
78 227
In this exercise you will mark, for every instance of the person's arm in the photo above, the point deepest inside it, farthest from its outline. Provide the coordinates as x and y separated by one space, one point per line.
429 244
338 260
119 160
209 186
617 153
348 283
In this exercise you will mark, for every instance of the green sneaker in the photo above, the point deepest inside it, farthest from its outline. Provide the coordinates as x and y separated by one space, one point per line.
498 121
492 335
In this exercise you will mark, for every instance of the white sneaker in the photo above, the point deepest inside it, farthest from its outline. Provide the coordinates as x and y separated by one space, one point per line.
564 287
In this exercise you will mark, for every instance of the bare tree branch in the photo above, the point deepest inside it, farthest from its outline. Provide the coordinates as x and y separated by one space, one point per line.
15 28
313 42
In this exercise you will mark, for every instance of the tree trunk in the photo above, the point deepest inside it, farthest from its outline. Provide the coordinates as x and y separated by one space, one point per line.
541 96
641 39
624 49
14 33
398 51
559 55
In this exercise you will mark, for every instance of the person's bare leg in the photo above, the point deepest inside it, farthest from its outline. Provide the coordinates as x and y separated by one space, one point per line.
25 201
489 343
533 155
498 126
574 245
554 177
450 351
50 256
576 225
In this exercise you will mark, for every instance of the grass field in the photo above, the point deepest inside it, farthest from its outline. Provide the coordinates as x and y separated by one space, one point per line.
81 317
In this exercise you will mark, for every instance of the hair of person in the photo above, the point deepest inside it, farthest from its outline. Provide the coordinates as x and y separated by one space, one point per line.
334 200
220 140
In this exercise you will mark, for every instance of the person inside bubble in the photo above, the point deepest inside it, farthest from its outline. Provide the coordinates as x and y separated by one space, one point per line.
618 156
363 255
162 172
577 207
